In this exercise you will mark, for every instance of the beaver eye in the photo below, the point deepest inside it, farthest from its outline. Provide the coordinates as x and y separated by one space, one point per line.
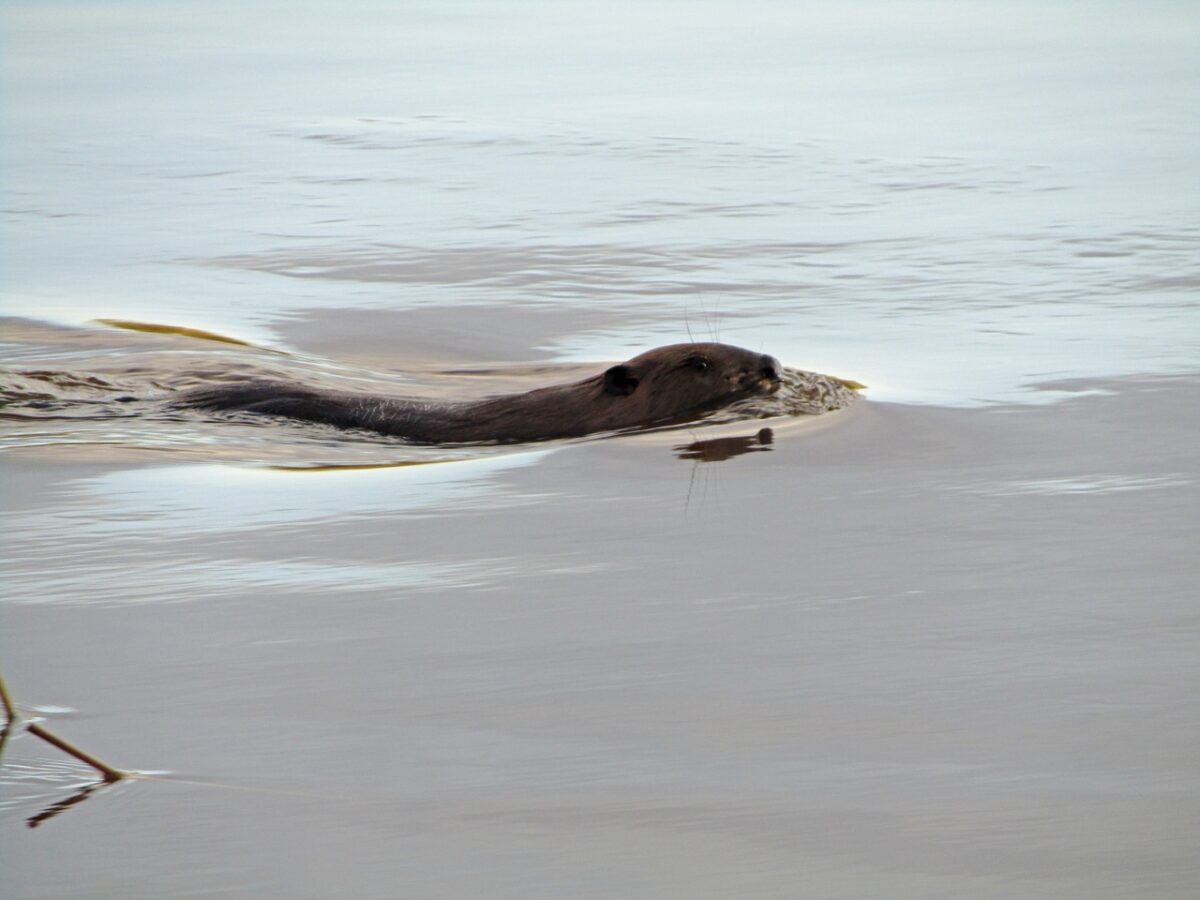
697 362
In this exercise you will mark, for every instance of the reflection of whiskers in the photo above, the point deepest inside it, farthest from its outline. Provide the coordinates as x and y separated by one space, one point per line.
718 450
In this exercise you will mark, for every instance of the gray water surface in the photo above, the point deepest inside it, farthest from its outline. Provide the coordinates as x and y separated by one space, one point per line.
942 643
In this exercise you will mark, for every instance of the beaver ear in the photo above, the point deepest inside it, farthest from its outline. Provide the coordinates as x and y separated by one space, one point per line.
620 380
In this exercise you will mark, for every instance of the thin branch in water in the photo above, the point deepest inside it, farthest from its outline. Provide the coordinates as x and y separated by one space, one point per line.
9 708
110 774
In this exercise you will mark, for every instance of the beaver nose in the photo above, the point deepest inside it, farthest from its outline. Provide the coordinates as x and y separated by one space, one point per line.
771 369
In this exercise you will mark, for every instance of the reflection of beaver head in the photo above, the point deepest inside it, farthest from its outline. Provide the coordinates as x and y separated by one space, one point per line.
723 448
667 385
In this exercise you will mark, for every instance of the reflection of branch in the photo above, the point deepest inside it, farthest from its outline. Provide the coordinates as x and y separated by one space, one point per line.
62 805
4 733
110 774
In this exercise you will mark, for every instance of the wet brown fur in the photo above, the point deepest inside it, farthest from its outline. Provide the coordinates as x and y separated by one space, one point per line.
676 383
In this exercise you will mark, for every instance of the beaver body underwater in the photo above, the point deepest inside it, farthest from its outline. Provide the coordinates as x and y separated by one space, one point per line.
667 385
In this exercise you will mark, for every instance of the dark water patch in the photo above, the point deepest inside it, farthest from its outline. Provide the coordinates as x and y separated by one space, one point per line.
510 266
416 132
596 265
41 213
1038 270
666 211
1190 283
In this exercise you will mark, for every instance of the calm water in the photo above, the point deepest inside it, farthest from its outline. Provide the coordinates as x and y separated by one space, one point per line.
939 645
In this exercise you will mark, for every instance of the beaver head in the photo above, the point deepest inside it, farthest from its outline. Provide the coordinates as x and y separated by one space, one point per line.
680 380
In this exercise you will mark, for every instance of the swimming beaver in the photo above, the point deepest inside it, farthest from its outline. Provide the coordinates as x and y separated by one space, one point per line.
663 386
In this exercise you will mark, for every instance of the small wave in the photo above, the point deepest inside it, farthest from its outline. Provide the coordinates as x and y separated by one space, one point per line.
45 394
801 394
